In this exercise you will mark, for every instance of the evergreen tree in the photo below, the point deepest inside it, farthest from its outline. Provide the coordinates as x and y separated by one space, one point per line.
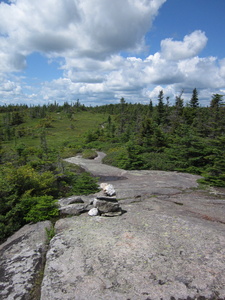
150 106
122 116
194 103
160 108
17 118
216 101
179 102
146 132
216 114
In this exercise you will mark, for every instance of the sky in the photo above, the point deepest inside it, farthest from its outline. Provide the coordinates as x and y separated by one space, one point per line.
99 51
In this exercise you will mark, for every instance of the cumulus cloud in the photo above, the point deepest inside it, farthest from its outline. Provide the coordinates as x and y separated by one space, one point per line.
90 37
136 79
74 28
222 68
9 90
190 46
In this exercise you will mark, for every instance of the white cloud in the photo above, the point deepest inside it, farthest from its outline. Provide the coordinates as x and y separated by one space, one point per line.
9 90
160 71
135 79
202 72
74 28
190 46
90 37
222 68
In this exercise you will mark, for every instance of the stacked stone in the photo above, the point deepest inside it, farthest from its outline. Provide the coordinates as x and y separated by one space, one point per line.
73 205
106 204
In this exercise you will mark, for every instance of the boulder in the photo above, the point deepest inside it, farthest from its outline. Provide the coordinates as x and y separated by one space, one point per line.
21 259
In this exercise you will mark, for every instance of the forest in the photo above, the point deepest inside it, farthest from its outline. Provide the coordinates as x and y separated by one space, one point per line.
34 140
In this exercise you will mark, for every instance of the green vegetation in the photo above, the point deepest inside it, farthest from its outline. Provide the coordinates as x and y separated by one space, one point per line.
34 140
89 154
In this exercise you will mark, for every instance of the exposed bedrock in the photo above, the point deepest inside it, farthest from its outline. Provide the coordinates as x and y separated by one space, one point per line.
166 240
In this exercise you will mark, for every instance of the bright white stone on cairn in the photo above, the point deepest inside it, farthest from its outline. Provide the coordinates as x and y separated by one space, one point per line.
93 212
108 189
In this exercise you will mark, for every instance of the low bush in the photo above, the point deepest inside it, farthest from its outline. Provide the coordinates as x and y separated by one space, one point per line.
117 157
39 208
89 154
85 184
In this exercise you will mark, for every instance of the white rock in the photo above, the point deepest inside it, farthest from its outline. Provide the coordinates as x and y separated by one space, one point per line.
103 185
93 212
108 189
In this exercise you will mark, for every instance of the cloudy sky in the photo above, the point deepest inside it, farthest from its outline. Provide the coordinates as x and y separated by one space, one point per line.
98 51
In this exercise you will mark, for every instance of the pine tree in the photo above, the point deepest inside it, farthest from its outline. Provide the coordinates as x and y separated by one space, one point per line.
194 103
179 102
160 108
216 101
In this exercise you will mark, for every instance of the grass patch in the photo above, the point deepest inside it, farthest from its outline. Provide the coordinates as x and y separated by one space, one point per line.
64 131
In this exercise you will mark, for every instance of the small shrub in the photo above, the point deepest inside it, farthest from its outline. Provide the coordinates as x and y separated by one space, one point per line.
85 184
41 208
117 157
89 154
50 233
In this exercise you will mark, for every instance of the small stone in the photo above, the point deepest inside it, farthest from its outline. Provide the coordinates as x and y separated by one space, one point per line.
108 189
93 212
107 198
112 213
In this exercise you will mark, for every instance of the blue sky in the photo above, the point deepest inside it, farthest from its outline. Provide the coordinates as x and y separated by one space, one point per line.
101 50
178 18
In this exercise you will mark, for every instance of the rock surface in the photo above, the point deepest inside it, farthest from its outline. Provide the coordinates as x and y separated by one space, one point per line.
143 254
21 258
169 243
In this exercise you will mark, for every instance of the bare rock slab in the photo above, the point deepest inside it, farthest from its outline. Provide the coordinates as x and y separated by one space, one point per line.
21 257
146 255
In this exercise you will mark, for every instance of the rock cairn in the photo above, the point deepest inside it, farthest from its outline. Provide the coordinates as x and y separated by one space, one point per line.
103 203
106 203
